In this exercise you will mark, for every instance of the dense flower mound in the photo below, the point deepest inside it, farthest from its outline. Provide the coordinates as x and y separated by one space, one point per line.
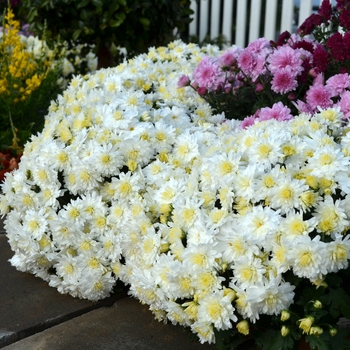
135 179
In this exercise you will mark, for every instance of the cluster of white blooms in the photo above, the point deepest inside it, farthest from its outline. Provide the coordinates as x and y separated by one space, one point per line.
134 179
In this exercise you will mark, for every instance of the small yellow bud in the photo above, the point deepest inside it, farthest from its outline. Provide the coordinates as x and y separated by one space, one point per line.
285 315
333 332
317 304
164 247
316 330
230 293
285 331
243 327
320 283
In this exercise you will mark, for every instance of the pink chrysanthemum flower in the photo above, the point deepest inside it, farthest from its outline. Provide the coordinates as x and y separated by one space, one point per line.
246 61
229 57
207 74
278 111
247 122
283 81
302 107
338 83
286 57
344 104
260 47
319 96
251 64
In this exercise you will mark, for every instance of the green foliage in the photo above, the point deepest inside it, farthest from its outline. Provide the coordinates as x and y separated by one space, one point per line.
134 25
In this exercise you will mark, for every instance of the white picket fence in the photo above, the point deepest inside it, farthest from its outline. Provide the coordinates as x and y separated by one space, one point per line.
240 21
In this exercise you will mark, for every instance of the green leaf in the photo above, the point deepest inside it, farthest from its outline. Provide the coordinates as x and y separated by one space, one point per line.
316 342
145 22
341 340
122 2
119 19
339 302
76 34
264 339
82 3
97 3
280 342
83 15
32 14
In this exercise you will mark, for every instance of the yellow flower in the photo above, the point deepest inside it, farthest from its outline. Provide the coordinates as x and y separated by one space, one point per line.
306 323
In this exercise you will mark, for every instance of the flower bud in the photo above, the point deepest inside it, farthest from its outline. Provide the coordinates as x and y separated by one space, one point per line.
202 90
230 293
285 331
183 81
333 331
285 315
259 87
243 327
306 323
316 330
317 304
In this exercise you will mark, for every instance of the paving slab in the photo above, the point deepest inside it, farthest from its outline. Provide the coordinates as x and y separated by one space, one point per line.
29 305
126 325
2 229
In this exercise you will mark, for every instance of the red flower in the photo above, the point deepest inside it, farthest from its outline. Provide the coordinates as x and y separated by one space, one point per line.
325 10
336 45
282 38
310 24
344 18
321 58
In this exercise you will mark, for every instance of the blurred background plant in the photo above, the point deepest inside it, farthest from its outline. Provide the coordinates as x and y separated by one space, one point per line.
29 72
110 26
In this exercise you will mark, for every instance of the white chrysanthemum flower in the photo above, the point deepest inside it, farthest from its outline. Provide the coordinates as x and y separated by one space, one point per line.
287 195
331 117
294 225
271 296
260 225
245 180
337 253
331 216
247 271
202 256
307 257
106 160
35 222
327 161
266 151
233 243
204 331
224 167
217 309
186 211
186 147
169 191
176 313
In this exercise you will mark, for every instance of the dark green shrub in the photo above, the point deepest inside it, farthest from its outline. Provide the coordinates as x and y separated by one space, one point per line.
131 24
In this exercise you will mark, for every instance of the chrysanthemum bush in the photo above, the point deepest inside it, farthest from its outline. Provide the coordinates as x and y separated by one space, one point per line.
233 233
